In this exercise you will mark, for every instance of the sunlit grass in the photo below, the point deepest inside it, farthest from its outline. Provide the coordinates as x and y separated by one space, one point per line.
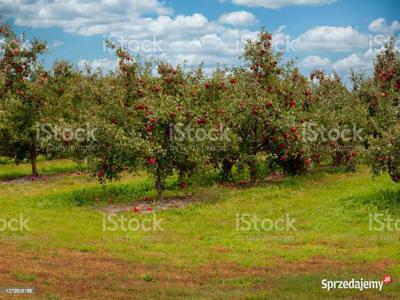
330 208
10 170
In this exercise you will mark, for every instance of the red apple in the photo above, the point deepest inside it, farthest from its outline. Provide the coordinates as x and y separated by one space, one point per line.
150 128
201 121
156 88
151 161
101 173
140 106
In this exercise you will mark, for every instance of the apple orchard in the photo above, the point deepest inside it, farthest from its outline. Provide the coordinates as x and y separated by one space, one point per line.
262 115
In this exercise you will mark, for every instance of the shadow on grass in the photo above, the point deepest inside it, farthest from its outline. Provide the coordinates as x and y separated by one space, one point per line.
204 187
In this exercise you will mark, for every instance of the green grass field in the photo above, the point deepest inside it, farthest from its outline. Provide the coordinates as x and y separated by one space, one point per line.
8 170
200 253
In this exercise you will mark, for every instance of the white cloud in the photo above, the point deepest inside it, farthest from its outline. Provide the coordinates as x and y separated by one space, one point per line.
331 38
238 18
315 62
102 63
142 24
273 4
191 38
356 61
57 44
351 61
395 26
77 16
379 26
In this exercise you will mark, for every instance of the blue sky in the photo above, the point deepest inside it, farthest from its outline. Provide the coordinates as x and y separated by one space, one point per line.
334 35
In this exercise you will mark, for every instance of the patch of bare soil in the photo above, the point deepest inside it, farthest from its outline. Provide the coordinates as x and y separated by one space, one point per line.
147 205
69 274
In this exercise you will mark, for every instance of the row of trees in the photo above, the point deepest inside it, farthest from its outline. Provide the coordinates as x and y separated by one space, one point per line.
166 119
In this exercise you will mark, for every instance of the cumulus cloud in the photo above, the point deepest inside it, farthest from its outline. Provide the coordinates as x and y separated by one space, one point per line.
102 63
154 31
331 38
238 18
379 26
144 26
356 61
351 61
89 16
274 4
184 36
315 62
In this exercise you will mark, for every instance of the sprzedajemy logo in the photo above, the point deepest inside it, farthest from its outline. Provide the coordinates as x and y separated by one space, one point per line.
357 284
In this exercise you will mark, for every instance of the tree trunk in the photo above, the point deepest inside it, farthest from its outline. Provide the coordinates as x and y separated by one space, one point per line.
253 170
227 170
34 163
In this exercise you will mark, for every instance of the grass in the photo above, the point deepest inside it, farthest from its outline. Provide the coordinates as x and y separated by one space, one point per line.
200 254
8 170
24 277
